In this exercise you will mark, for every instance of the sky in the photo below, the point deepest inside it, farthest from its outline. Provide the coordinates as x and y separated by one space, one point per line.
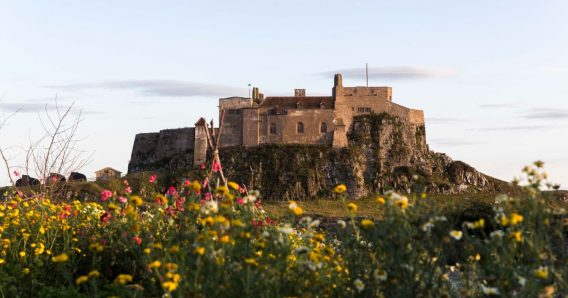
489 75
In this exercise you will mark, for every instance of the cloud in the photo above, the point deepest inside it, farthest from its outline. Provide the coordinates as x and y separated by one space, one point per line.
394 72
451 142
512 128
435 120
502 105
169 88
12 107
546 114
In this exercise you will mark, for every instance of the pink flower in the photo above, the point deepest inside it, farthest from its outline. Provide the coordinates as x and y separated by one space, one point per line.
128 189
152 178
125 182
204 184
202 166
172 191
20 193
105 195
16 173
186 182
240 201
122 199
207 196
216 166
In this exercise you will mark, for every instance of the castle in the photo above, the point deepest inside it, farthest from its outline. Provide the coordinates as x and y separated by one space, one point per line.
298 119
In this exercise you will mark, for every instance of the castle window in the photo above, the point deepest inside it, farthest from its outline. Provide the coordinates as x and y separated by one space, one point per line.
322 105
323 127
300 127
363 110
298 105
234 112
273 128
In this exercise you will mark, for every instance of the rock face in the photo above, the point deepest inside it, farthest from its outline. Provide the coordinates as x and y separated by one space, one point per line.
383 153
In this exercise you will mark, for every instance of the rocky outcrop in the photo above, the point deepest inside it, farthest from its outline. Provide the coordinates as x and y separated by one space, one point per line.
383 153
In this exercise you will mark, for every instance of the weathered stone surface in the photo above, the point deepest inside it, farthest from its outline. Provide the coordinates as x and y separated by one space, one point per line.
383 153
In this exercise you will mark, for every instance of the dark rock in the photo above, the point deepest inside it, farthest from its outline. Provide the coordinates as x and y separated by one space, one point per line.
27 181
75 176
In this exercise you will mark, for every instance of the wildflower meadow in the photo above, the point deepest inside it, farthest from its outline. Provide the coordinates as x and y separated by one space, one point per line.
199 240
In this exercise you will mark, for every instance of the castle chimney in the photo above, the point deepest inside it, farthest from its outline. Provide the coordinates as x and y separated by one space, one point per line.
338 80
255 94
300 92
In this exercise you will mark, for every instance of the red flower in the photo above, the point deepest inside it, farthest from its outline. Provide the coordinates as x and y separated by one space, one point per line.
137 239
202 166
105 218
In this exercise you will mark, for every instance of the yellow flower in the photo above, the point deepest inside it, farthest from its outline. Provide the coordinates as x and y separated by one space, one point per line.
200 250
380 200
26 270
42 230
22 254
517 236
2 261
136 201
222 190
169 286
515 218
504 220
93 274
456 234
340 188
147 251
96 247
224 239
352 207
40 249
401 202
296 210
81 279
123 279
251 261
367 223
174 249
541 272
155 264
60 258
233 185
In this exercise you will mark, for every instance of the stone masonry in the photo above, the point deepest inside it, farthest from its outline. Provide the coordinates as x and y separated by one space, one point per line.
297 119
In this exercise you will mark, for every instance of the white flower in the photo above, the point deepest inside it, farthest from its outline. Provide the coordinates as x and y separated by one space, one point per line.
359 285
210 207
497 234
380 274
341 223
489 290
314 223
456 234
292 205
427 227
286 229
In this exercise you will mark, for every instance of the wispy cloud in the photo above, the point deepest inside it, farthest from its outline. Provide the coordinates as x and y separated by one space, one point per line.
169 88
500 105
435 120
512 128
26 107
451 142
394 72
546 114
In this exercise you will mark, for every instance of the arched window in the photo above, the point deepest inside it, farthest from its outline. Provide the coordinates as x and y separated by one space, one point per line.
323 127
300 127
273 128
322 105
